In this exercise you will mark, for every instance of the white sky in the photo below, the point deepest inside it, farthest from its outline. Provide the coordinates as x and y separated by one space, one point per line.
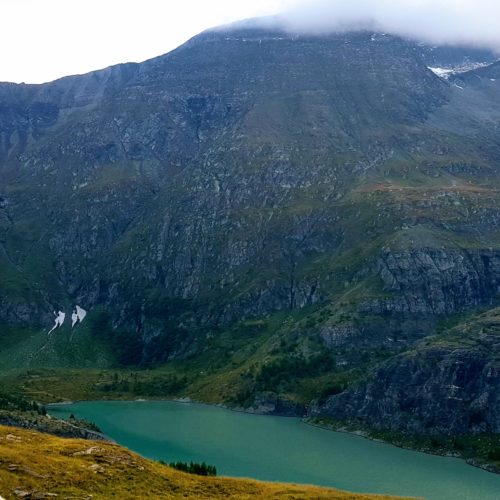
42 40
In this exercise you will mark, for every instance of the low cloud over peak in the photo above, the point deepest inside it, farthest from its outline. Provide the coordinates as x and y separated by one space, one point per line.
468 22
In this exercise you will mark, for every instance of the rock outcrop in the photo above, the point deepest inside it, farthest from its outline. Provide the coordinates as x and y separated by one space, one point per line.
446 385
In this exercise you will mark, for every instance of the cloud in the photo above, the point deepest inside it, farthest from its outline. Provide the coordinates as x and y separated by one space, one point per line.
470 22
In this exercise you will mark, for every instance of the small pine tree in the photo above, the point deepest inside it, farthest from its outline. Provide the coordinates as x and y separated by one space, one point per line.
202 469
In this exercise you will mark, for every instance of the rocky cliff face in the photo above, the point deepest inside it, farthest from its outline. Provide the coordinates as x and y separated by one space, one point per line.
431 281
446 385
194 177
252 173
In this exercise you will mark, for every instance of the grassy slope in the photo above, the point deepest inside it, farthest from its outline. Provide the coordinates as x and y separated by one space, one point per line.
65 347
76 468
229 367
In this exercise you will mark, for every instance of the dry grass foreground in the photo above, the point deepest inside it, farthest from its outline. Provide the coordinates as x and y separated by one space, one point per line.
36 466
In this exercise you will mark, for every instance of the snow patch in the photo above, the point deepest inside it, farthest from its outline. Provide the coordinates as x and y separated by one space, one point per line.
78 315
442 72
60 317
456 70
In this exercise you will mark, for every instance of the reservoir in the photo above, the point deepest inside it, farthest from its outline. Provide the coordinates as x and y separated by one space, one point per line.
281 449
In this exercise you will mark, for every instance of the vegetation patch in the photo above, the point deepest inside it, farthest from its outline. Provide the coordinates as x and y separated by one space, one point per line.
201 469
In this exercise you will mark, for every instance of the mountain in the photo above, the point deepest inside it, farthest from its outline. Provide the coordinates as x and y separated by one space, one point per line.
281 218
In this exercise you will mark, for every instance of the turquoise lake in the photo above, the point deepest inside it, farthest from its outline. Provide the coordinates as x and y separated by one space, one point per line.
281 449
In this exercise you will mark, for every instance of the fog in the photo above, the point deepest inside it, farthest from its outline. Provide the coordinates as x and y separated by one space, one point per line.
470 22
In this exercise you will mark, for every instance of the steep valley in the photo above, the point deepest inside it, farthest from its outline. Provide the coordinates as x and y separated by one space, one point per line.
285 224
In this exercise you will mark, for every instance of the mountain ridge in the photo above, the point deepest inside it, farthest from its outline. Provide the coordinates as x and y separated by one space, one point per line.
285 213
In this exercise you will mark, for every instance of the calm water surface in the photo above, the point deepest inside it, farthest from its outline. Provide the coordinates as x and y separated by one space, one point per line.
281 449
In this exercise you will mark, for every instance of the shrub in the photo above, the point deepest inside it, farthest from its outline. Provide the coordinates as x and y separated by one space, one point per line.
202 469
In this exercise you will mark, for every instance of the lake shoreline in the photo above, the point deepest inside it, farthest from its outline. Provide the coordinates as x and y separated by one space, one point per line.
277 449
360 433
488 467
365 434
